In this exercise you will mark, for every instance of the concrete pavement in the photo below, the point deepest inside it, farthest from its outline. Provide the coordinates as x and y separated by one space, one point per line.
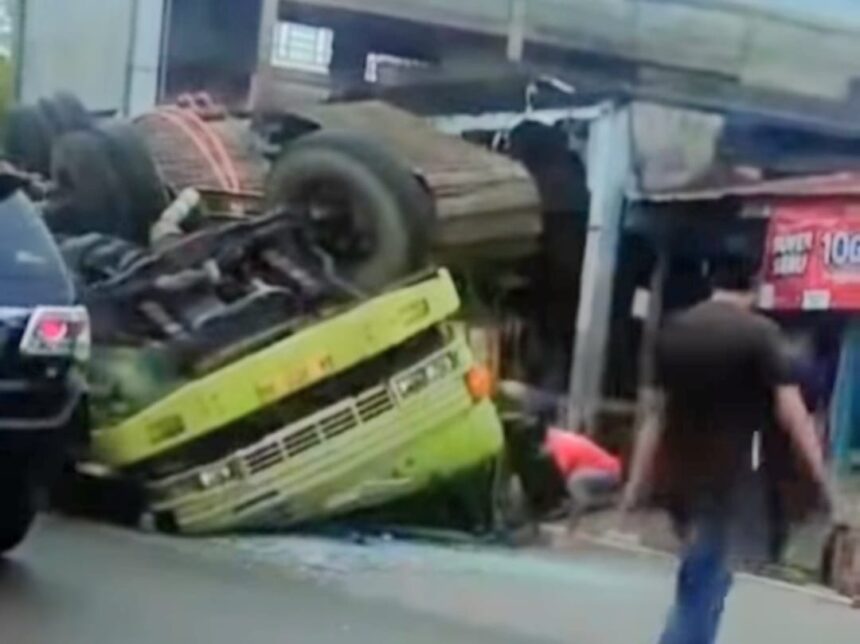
588 595
76 583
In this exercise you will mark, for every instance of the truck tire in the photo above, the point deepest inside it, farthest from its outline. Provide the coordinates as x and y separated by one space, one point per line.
118 501
373 235
65 113
90 195
17 513
137 172
415 199
28 140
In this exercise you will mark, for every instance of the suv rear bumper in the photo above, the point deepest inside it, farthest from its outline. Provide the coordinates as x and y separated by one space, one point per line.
37 447
44 409
38 444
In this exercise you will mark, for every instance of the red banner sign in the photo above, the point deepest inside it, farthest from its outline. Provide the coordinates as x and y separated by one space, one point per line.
813 257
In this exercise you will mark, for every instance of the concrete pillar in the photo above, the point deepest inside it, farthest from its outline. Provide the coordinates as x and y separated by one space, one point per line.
609 168
268 21
517 31
262 80
18 11
145 55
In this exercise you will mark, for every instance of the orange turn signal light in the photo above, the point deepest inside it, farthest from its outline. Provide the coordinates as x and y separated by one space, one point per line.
479 382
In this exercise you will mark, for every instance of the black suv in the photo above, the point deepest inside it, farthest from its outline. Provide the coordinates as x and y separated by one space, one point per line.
44 338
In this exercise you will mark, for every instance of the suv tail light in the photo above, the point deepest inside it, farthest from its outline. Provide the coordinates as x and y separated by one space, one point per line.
58 332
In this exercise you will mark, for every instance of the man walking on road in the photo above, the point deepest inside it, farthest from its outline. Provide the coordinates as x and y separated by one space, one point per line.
724 402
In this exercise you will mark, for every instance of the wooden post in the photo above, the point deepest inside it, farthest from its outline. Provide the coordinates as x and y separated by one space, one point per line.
651 332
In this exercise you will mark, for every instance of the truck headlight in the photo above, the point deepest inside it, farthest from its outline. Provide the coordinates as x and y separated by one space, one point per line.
431 372
216 477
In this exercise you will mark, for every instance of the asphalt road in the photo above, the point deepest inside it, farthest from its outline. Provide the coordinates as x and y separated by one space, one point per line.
75 583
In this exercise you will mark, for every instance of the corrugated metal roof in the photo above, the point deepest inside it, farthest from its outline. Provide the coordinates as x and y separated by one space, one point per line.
842 184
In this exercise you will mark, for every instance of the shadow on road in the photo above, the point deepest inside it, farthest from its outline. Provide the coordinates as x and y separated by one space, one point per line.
21 593
15 579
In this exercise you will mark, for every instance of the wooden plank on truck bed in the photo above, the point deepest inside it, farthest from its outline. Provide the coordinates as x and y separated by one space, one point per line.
486 196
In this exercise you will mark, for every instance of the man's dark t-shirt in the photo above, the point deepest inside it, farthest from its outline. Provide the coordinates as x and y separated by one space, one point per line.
718 365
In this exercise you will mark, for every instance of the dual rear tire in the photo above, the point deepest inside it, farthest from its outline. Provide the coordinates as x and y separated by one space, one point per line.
368 210
107 183
32 130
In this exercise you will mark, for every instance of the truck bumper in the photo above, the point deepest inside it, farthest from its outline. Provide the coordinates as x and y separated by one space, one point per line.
402 447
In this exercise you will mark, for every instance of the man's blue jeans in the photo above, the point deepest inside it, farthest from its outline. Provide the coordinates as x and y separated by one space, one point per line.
704 581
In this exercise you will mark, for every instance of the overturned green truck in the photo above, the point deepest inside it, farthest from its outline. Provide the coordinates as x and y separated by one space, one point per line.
354 403
258 359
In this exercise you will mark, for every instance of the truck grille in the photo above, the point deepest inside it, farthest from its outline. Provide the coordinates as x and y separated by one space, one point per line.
318 429
374 404
298 438
337 424
264 457
302 440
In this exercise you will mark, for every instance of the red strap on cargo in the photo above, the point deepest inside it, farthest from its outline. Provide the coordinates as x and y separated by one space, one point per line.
215 145
178 122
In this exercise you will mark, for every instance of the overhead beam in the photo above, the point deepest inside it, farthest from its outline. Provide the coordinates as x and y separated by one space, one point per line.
768 49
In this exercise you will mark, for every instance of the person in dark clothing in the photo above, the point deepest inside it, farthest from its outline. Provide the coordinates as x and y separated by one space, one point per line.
724 404
591 475
561 178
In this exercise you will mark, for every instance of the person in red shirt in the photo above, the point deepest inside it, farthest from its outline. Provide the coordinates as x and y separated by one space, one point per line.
592 476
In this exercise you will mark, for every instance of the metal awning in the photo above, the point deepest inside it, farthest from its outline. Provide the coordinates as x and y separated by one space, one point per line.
843 184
